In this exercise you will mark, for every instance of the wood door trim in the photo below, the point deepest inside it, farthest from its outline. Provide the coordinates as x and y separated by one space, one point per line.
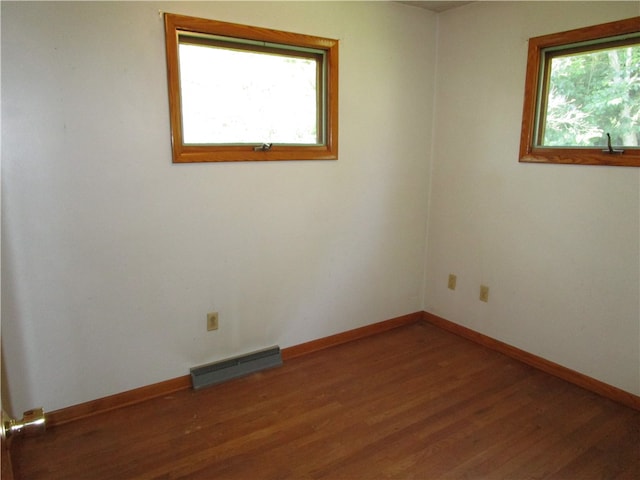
6 467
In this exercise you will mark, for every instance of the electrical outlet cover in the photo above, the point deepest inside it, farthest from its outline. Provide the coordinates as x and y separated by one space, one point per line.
484 293
212 321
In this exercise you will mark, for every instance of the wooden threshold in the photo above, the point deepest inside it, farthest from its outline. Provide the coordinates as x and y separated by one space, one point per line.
588 383
138 395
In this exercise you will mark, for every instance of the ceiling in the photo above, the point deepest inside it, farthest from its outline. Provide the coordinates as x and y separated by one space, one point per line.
435 6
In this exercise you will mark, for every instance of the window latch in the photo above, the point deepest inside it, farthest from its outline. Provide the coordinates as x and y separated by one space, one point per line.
265 147
610 149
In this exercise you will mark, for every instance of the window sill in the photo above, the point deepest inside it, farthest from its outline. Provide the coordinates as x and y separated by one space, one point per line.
191 154
580 156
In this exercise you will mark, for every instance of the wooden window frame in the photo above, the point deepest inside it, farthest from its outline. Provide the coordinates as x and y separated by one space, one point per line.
529 150
188 153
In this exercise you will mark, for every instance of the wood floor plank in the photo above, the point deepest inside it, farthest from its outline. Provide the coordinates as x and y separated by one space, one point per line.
413 402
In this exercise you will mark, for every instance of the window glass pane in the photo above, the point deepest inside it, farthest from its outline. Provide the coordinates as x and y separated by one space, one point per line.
590 94
230 96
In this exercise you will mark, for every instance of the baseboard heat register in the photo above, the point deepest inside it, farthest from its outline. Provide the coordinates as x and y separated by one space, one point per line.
218 372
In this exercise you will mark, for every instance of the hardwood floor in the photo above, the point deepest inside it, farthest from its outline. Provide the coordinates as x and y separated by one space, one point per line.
414 402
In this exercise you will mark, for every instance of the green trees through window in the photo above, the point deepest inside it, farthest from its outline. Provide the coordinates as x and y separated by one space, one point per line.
582 96
592 94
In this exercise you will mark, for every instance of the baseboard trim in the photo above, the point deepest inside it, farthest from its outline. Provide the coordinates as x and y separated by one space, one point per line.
588 383
350 335
118 400
167 387
138 395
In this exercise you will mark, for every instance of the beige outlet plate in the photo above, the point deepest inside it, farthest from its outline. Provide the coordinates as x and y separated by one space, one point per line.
452 281
212 321
484 293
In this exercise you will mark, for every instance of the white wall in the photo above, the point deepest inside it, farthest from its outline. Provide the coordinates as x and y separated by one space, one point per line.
112 256
559 246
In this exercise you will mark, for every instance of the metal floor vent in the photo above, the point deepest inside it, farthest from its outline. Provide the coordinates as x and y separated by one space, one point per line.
235 367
